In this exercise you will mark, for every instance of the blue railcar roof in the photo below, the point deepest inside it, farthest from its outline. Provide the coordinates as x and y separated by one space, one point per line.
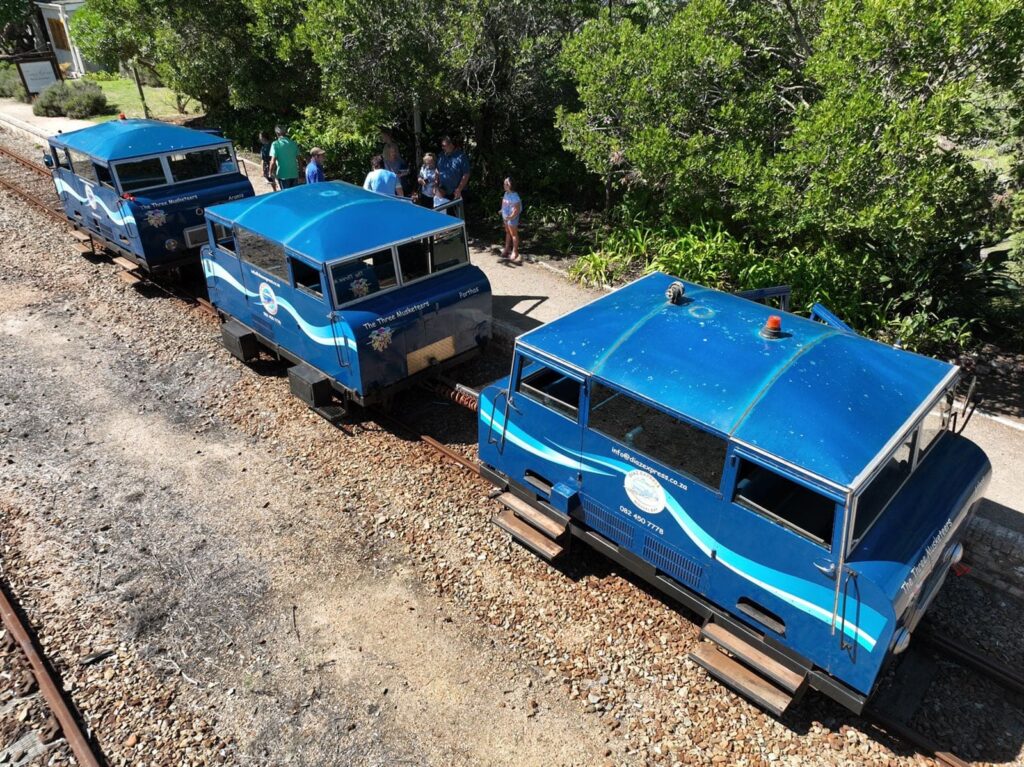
824 400
123 139
328 221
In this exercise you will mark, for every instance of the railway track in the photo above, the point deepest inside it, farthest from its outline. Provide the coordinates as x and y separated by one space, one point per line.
32 182
64 719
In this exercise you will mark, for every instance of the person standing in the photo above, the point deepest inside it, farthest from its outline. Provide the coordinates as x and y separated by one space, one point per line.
453 167
381 180
393 162
429 179
315 169
511 208
284 159
265 157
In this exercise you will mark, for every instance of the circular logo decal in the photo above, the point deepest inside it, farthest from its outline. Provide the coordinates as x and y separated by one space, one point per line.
267 298
645 491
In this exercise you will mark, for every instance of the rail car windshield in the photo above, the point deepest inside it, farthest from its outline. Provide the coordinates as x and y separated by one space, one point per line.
175 168
897 468
200 163
356 278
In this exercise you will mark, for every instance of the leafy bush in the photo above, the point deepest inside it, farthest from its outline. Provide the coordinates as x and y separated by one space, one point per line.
10 83
101 76
76 100
349 145
50 103
85 100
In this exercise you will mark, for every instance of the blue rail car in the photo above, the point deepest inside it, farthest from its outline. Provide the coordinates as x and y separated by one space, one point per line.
141 186
795 484
364 292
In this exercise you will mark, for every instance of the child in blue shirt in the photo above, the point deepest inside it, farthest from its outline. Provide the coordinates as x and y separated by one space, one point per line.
511 208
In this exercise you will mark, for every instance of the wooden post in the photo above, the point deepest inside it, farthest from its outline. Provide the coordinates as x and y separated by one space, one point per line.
417 127
138 84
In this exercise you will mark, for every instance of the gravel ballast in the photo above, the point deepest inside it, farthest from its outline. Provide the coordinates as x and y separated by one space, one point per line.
276 590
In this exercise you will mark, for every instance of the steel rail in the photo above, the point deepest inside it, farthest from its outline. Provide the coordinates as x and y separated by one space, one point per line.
77 740
42 170
921 742
387 419
994 669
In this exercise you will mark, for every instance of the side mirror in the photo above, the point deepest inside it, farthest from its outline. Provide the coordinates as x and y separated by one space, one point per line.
48 161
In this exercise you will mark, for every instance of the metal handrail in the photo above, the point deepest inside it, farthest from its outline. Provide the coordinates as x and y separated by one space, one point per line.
848 513
490 426
342 355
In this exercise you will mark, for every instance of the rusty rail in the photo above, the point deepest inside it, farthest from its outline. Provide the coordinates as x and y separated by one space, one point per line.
42 170
77 740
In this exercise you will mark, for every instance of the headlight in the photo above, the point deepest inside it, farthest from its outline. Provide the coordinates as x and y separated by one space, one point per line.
956 554
901 641
171 244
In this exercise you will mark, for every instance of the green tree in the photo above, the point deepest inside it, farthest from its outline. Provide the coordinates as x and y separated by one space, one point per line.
18 25
832 126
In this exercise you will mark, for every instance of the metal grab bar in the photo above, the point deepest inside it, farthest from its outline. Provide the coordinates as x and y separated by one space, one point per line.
763 295
342 347
490 424
851 575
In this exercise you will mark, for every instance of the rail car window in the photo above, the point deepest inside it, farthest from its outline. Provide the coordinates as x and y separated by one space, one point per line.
784 501
664 438
140 174
60 156
186 166
82 166
262 253
363 276
450 250
103 175
432 254
883 487
306 277
933 425
224 238
414 259
550 388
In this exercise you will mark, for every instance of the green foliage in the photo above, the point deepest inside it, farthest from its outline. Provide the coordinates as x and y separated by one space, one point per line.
85 99
828 132
77 99
16 17
50 103
10 84
348 145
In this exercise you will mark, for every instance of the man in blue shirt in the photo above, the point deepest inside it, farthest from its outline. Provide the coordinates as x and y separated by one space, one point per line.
381 180
453 167
315 169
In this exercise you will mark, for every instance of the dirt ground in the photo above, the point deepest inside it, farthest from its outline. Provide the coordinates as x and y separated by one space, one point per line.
278 591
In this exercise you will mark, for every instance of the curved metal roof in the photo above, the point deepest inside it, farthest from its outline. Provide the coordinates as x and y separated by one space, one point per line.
824 400
331 220
124 139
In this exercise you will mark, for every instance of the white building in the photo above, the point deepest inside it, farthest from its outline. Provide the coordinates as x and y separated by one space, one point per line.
58 33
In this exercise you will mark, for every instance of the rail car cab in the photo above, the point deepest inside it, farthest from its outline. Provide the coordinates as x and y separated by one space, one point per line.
141 186
364 292
799 486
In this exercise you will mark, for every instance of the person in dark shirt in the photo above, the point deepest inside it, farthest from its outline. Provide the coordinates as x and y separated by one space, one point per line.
453 166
